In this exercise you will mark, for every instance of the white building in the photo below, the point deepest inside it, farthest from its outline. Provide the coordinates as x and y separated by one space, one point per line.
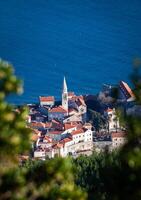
40 154
46 101
113 120
82 135
65 96
118 139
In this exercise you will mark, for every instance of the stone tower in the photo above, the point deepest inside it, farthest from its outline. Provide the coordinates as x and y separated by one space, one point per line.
65 95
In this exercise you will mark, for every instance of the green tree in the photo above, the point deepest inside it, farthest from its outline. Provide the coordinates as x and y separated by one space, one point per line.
93 173
52 179
97 119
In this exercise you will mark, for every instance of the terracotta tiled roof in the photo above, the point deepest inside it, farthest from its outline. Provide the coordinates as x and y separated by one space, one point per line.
109 110
38 124
79 131
55 132
69 126
65 140
56 146
58 109
87 125
34 137
118 134
48 124
46 99
48 139
127 88
79 100
37 132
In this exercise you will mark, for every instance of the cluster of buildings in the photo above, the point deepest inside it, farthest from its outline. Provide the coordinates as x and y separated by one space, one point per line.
61 130
115 134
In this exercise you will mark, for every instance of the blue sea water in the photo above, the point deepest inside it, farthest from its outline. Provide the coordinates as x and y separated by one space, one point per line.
91 42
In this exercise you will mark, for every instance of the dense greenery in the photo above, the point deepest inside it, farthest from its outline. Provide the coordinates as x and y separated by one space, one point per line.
94 173
52 179
97 120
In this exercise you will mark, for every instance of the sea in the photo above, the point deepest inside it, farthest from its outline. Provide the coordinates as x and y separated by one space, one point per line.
90 42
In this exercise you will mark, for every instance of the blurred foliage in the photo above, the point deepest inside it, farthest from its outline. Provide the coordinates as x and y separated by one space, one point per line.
94 173
52 179
14 136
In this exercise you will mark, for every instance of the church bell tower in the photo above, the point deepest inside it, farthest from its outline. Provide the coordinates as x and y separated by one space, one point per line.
65 95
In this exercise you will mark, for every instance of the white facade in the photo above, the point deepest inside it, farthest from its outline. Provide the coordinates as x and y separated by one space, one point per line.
73 118
113 120
65 96
39 154
118 142
44 144
47 101
83 137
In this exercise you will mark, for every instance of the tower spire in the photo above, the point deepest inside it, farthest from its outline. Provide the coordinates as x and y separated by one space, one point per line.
65 89
65 95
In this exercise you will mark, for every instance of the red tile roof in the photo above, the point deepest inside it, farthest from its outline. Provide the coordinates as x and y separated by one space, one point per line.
48 139
69 126
56 146
38 124
55 132
46 99
65 140
37 132
79 131
127 88
58 109
79 100
87 125
34 137
48 125
109 110
118 134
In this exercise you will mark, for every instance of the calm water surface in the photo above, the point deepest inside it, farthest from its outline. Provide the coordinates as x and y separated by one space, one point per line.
91 42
